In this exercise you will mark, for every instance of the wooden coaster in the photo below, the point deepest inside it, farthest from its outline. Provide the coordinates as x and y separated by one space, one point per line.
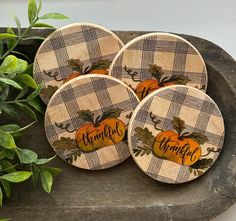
176 133
86 121
154 60
72 51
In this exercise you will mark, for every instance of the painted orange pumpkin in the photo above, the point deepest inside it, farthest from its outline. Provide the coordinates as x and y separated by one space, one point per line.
147 86
170 146
179 146
107 130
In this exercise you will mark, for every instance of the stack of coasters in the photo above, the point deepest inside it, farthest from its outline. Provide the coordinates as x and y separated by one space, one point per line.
174 134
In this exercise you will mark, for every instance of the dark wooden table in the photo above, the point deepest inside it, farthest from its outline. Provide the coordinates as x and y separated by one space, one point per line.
125 192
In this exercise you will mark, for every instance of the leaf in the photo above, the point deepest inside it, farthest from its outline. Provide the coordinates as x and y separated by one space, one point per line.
17 24
53 16
43 25
26 156
86 115
10 109
202 163
65 144
6 35
4 93
44 160
1 196
36 173
142 151
7 153
12 64
22 93
37 104
34 38
22 55
112 113
27 80
29 70
12 129
27 110
40 7
198 137
7 166
6 140
53 170
11 82
178 124
177 79
11 41
1 48
156 71
35 93
100 65
32 11
16 177
145 136
76 65
46 179
7 187
46 93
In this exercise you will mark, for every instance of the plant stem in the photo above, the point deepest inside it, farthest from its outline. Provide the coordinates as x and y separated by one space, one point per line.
18 40
15 101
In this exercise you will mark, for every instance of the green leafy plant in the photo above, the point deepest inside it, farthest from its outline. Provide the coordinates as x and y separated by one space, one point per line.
18 96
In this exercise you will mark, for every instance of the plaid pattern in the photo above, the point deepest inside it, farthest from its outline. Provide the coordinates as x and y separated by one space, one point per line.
86 42
200 114
172 53
97 93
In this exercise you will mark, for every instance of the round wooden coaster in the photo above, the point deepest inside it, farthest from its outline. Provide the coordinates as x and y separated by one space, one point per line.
154 60
71 51
176 133
86 121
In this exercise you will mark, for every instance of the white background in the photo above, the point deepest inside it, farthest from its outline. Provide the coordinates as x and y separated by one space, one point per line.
210 19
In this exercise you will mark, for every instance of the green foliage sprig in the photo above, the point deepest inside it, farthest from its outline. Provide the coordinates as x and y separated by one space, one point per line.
19 91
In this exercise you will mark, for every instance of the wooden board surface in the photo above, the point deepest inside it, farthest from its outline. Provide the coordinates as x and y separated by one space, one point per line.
125 192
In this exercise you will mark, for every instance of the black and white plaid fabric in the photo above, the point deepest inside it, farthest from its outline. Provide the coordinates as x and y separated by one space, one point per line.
200 114
84 41
175 55
97 93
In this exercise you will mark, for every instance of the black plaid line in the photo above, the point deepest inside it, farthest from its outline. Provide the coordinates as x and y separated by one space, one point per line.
37 75
57 41
67 94
181 47
89 33
154 166
101 33
102 94
92 43
204 115
149 45
51 132
179 58
177 101
122 150
183 174
207 107
74 38
93 160
133 100
47 46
